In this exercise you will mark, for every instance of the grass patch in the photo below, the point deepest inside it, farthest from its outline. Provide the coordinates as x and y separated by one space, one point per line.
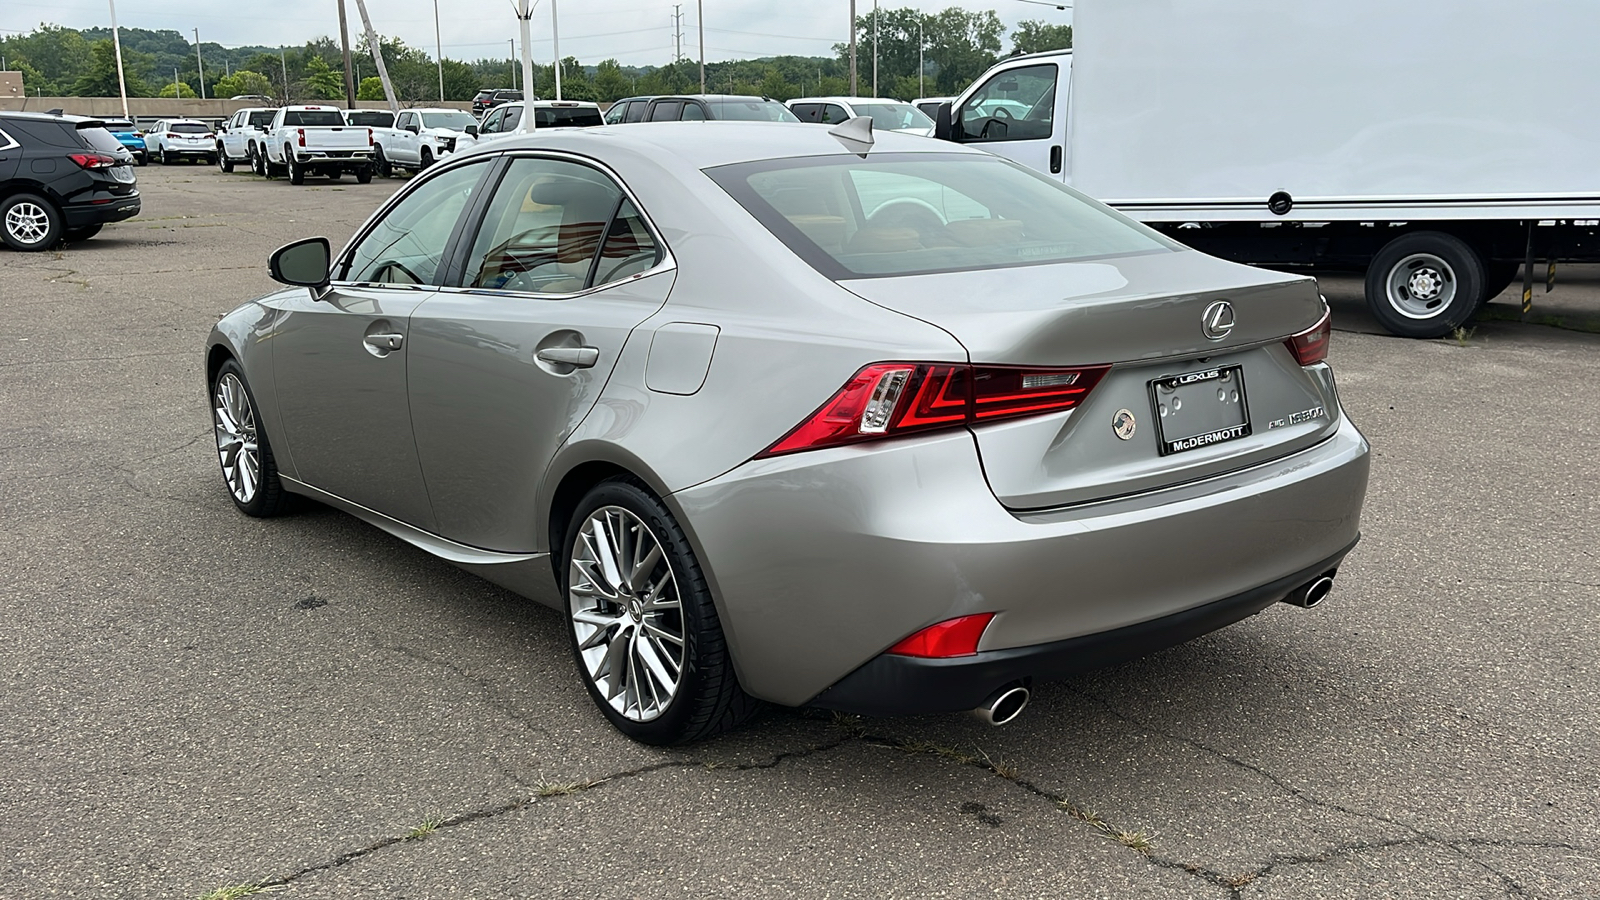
1140 841
428 826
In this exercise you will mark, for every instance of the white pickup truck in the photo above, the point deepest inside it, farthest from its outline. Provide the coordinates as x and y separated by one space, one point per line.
419 138
1323 135
316 140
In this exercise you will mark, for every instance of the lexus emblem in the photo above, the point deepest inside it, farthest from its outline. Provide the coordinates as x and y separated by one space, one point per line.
1217 320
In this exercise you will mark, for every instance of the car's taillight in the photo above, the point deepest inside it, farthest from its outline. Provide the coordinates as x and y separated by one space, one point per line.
1311 346
369 137
169 135
94 160
890 399
210 137
302 136
952 637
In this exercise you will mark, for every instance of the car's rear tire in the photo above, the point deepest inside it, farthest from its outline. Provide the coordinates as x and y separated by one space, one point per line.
1424 284
335 175
82 234
297 172
161 156
248 469
381 162
140 159
29 222
364 175
643 623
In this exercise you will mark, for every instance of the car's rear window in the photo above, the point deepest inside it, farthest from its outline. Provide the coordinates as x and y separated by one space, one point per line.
566 118
750 110
188 128
101 139
119 125
313 117
372 118
917 213
262 117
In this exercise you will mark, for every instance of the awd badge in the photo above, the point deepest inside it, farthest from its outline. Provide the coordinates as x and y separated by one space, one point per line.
1123 423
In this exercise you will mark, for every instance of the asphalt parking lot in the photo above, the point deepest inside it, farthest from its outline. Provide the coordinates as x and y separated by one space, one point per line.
194 699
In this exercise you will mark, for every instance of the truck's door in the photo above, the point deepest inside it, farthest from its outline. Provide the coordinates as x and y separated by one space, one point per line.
1018 113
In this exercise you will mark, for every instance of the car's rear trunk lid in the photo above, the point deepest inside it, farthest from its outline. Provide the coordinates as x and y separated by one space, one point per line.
1179 403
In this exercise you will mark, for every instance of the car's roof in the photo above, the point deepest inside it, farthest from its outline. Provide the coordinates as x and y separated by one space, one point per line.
846 100
46 117
715 98
420 109
704 145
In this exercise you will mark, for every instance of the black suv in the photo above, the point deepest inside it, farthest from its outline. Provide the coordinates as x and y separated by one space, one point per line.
61 178
488 99
698 108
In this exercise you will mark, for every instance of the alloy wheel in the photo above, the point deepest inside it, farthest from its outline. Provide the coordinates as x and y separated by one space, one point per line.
237 444
28 222
626 613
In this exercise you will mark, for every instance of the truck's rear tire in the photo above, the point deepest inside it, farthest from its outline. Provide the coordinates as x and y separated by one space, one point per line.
1497 277
297 172
1425 284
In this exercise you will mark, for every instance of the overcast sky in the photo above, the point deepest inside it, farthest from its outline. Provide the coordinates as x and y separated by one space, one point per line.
636 32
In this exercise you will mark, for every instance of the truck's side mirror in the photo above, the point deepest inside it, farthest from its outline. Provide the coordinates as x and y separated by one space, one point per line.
943 122
413 129
470 131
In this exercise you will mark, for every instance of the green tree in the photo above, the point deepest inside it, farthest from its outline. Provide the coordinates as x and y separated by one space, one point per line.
178 89
371 89
100 78
610 84
58 57
243 81
1036 37
777 87
460 81
322 81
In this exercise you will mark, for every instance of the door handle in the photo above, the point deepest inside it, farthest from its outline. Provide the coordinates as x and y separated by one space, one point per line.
1055 160
577 357
385 341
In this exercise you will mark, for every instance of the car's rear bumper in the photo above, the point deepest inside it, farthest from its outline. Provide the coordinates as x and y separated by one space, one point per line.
906 685
102 210
821 561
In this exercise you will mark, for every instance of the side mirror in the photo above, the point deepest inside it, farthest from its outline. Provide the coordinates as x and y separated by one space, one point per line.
303 263
943 127
413 129
470 131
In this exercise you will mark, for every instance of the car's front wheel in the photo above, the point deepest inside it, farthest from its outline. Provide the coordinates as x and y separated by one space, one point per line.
645 633
29 222
223 159
248 468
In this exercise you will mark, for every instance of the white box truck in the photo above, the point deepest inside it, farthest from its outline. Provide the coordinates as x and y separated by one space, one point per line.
1434 144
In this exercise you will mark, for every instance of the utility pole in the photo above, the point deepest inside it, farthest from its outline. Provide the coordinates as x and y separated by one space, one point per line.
920 67
874 48
349 73
512 43
853 91
284 62
700 13
377 57
555 37
438 49
177 91
524 16
199 65
116 47
677 32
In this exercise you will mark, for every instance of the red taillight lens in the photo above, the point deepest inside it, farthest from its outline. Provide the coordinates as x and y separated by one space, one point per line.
211 137
94 160
369 137
889 399
1311 346
302 136
952 637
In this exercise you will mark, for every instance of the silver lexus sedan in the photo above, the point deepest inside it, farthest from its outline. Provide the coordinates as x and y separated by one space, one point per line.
774 413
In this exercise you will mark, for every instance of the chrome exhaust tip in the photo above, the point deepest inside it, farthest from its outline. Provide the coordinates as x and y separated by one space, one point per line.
1003 705
1312 594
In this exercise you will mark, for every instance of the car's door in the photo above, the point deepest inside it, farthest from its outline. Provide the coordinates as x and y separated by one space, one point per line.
1015 114
506 364
340 362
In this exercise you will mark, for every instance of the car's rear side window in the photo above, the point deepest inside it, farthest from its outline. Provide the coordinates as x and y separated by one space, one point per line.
566 118
264 117
916 213
100 139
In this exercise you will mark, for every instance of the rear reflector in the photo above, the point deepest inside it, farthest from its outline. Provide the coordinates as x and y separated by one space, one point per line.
890 399
952 637
1311 346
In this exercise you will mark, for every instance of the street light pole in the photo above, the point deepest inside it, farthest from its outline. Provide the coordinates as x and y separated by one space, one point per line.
116 47
512 43
438 50
524 15
700 14
921 67
853 91
555 37
874 48
199 65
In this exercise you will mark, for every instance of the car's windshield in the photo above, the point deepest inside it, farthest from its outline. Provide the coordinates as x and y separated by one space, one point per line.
262 117
372 118
566 118
451 121
889 116
914 213
188 128
750 110
313 117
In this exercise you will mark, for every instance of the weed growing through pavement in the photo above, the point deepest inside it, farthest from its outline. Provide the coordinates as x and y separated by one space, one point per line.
1133 840
428 826
233 892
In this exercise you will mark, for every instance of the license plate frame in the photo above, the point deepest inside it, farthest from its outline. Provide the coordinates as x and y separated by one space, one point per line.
1200 387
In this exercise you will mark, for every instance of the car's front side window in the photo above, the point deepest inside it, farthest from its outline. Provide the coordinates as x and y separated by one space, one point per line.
557 227
1015 105
491 122
614 114
407 244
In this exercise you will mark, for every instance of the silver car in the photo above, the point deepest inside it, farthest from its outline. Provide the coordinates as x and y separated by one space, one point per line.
791 414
